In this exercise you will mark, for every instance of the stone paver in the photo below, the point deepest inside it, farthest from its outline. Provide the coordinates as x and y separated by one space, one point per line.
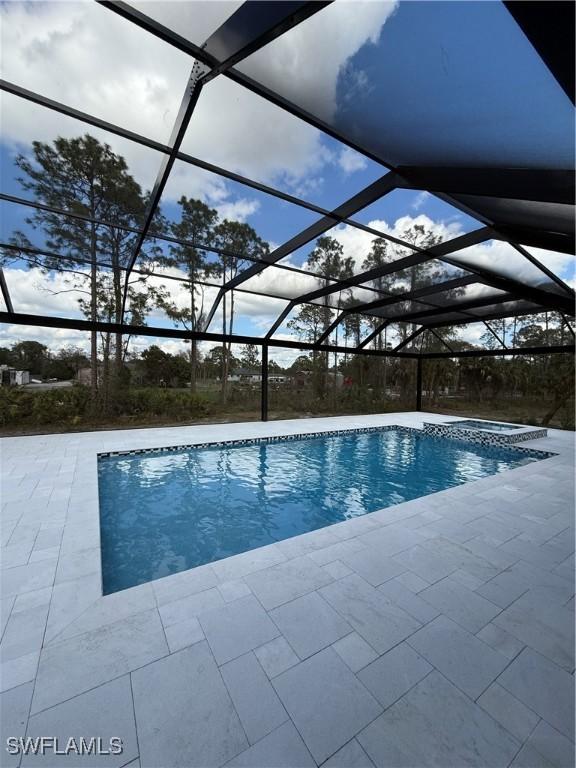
389 677
326 702
184 584
425 564
355 651
509 711
504 588
14 708
544 687
373 566
5 611
412 603
464 594
83 662
305 636
103 712
190 606
380 622
276 656
18 671
392 539
256 701
76 564
232 590
184 714
183 634
460 604
461 657
350 756
500 640
237 628
70 601
554 748
287 581
546 627
411 581
109 609
25 578
283 748
24 632
337 569
435 724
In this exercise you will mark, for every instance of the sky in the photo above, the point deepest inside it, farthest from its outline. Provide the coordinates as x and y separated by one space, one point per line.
83 55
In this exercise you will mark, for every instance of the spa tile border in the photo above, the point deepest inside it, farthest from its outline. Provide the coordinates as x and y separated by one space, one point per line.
432 430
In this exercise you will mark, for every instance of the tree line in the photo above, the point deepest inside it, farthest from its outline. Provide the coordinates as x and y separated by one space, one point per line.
92 248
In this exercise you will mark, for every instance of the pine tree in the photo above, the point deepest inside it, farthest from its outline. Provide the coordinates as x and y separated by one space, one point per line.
231 238
327 260
196 227
86 178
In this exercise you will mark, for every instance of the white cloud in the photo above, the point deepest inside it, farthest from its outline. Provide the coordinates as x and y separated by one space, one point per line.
351 161
32 292
420 199
285 356
240 210
503 259
282 282
304 63
89 58
196 19
260 310
53 338
562 264
357 243
39 294
35 293
236 129
443 229
83 55
498 256
472 333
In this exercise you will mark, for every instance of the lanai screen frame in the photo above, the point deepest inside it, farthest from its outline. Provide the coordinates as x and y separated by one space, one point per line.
253 26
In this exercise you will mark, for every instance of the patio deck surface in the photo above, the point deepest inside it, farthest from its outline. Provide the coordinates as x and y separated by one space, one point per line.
439 632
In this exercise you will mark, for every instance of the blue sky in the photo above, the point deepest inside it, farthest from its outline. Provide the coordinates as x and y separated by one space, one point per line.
455 97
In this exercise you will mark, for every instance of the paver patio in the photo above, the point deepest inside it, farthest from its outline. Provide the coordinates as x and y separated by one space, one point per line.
436 632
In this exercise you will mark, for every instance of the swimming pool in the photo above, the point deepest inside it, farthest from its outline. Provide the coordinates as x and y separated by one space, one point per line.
166 511
490 426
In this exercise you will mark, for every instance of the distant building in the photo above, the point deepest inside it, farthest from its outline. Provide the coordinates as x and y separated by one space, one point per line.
245 375
10 377
251 377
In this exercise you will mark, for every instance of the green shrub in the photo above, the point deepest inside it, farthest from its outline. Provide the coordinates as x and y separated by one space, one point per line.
72 406
22 407
159 402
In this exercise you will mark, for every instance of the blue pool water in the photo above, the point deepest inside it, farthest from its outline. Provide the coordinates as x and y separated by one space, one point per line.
166 512
490 426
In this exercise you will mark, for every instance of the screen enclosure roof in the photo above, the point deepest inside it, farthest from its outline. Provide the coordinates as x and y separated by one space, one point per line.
466 106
